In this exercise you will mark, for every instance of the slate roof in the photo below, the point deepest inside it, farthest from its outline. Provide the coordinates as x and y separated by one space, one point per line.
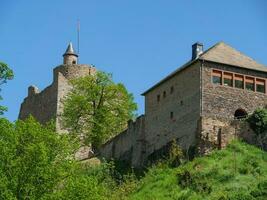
223 53
70 50
219 53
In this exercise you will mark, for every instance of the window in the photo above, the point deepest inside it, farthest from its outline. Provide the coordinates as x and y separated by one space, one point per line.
172 89
228 79
164 94
171 115
250 83
260 85
217 77
239 81
158 98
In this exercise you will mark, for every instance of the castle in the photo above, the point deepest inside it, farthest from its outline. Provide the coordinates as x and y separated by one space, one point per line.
197 105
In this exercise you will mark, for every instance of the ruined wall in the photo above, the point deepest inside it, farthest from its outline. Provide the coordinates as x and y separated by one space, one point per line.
183 102
41 105
222 101
128 145
215 133
47 104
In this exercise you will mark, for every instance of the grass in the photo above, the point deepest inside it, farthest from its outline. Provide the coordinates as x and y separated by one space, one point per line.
238 172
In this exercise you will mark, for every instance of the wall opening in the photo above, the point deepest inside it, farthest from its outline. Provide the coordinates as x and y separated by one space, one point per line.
240 114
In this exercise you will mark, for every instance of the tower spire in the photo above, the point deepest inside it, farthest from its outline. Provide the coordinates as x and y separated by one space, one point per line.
70 57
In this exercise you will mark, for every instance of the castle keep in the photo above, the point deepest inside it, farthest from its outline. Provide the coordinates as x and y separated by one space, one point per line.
199 104
47 104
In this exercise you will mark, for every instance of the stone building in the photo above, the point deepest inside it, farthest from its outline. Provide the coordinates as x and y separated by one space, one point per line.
197 105
47 104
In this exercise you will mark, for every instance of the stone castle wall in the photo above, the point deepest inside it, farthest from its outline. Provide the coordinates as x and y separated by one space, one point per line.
222 101
41 105
216 133
48 104
128 145
183 102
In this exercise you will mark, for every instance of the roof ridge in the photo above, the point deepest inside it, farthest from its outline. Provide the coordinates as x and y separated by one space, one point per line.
212 47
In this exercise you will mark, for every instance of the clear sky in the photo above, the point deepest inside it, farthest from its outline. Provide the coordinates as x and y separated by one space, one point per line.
138 41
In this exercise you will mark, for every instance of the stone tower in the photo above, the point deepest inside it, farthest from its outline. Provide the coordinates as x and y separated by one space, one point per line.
70 57
47 104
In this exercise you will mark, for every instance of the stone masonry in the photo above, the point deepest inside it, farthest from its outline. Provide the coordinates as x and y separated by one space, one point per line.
199 105
188 107
48 104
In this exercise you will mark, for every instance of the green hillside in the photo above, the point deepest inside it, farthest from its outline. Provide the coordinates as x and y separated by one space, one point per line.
239 172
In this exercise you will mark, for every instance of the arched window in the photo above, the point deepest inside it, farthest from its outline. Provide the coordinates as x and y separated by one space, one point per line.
240 113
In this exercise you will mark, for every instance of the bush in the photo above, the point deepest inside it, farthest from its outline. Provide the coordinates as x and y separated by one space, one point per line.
258 121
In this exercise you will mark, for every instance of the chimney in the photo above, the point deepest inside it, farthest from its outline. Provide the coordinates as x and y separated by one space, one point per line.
197 50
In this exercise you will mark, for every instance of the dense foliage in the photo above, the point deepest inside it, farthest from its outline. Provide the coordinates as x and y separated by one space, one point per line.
258 121
98 108
33 160
38 163
5 74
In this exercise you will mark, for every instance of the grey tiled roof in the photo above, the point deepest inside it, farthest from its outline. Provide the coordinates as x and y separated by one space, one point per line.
223 53
219 53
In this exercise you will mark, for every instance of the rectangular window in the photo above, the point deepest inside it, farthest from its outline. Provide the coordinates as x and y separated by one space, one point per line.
249 83
216 77
171 115
239 81
260 85
164 94
172 89
228 79
158 98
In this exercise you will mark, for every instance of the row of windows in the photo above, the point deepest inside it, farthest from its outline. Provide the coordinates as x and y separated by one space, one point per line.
239 81
165 94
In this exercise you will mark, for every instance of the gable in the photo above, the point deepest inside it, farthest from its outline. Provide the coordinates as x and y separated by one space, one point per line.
223 53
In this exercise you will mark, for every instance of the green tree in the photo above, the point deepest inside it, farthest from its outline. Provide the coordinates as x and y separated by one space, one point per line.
5 74
34 159
97 108
258 121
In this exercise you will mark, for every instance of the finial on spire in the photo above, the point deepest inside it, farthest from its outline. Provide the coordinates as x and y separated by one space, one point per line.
70 57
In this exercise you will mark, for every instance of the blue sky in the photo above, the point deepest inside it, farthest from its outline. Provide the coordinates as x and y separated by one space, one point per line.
139 42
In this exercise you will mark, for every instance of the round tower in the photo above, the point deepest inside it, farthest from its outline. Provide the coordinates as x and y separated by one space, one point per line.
70 57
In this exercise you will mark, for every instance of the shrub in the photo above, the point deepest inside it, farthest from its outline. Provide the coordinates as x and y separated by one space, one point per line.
258 121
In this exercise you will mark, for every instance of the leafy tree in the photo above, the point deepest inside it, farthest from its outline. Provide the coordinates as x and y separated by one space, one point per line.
97 108
34 160
258 121
5 74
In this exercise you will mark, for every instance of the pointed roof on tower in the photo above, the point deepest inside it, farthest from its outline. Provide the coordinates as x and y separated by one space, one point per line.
70 50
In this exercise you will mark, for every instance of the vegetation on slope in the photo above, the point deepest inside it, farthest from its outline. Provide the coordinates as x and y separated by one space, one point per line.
238 172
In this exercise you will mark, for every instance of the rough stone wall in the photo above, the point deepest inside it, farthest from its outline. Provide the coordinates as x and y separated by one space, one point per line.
128 145
217 126
184 102
222 101
62 75
215 133
41 105
47 104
